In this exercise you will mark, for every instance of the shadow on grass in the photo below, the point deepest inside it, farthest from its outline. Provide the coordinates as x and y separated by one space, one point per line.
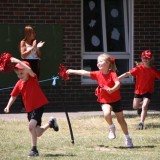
59 155
152 125
122 147
135 147
154 115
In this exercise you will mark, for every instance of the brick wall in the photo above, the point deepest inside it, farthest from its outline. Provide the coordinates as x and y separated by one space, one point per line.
147 36
68 14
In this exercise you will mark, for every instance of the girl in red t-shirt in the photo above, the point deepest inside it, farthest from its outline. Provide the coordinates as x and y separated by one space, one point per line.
145 76
108 93
34 101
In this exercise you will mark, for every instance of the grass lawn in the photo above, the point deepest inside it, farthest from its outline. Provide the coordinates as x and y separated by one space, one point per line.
91 142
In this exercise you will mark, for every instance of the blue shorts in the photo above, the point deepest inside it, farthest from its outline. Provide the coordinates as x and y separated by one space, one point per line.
145 95
36 115
116 106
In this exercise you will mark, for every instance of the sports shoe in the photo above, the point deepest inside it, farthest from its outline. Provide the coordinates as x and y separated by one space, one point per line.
140 126
53 124
129 143
112 134
33 154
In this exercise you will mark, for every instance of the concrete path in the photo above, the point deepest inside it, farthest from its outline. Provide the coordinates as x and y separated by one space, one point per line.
61 115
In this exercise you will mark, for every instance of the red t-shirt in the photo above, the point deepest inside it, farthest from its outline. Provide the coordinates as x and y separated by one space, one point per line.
145 78
105 80
32 95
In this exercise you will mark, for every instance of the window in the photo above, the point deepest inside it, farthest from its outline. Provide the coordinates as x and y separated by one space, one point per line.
107 26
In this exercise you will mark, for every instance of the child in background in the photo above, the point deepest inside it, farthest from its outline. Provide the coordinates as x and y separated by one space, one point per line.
145 76
108 93
34 101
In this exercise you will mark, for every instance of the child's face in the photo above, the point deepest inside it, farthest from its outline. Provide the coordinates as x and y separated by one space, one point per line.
22 74
102 64
146 61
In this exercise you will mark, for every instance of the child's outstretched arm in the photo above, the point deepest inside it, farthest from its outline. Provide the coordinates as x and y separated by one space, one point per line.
27 68
78 72
124 75
10 102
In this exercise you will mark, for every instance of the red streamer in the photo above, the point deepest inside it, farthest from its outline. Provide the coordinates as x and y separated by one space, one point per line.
62 72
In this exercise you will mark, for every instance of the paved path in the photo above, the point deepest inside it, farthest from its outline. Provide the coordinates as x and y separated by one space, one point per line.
61 115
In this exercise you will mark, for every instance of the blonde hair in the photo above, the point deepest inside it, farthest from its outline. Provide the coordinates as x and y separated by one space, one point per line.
110 59
28 30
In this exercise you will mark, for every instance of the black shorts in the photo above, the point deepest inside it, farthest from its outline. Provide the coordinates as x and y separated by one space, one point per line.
116 106
36 115
35 65
145 95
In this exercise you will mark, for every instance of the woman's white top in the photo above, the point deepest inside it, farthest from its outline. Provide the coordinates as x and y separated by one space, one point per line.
32 54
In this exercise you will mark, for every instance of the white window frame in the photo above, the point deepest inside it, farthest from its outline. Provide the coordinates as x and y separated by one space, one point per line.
121 55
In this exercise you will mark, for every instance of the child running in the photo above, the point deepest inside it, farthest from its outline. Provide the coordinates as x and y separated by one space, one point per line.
145 75
34 101
108 93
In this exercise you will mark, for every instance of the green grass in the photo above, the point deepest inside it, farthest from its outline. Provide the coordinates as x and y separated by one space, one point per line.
91 142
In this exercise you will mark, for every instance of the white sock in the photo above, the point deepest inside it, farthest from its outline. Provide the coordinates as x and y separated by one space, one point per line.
127 136
111 126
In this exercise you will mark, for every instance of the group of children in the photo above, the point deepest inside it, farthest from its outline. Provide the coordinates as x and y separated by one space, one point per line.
107 92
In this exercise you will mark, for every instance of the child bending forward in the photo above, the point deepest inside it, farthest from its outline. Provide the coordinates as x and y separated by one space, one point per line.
34 101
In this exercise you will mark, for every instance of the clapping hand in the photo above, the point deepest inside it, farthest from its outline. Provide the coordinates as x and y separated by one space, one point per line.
40 44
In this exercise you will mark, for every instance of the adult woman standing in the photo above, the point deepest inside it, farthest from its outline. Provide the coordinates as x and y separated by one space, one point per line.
30 49
30 52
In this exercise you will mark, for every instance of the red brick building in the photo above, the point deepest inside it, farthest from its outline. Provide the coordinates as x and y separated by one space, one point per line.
123 28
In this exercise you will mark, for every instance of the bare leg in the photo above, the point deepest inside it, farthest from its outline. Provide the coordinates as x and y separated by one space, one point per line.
41 129
107 113
145 104
122 122
32 130
137 102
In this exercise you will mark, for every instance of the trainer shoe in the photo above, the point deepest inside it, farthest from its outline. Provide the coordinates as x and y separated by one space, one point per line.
53 124
140 126
129 143
112 134
33 154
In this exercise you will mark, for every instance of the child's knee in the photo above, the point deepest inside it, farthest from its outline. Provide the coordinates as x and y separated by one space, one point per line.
31 127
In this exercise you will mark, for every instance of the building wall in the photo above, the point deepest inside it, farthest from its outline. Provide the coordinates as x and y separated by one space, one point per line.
147 36
72 94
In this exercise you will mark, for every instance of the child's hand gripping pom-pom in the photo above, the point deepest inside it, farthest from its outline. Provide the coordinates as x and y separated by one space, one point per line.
6 65
62 72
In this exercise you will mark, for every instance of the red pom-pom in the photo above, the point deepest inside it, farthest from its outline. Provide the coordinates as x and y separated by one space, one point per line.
62 72
6 65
